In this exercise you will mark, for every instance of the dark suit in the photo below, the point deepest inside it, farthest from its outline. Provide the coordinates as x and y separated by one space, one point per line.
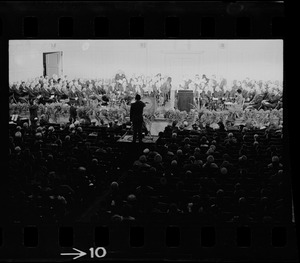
136 117
73 114
33 111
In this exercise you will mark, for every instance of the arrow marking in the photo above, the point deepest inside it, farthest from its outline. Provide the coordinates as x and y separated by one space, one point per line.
80 254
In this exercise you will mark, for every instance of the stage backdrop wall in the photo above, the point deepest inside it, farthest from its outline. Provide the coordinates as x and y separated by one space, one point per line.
178 58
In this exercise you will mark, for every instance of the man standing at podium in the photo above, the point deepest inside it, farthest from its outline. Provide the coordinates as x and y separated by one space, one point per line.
136 117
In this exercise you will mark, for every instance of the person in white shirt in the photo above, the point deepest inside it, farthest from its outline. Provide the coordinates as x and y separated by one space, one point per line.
239 99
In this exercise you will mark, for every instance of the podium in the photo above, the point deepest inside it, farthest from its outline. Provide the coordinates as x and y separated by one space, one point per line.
185 100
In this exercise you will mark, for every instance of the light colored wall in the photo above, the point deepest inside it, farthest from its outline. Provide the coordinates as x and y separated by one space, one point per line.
103 58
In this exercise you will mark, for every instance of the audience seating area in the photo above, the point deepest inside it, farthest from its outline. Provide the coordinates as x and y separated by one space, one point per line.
179 179
61 173
56 172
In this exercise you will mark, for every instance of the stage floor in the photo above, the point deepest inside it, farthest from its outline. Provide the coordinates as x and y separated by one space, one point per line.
158 126
147 139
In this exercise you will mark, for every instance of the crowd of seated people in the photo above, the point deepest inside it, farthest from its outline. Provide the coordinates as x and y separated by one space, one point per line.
208 176
51 89
210 92
57 171
216 93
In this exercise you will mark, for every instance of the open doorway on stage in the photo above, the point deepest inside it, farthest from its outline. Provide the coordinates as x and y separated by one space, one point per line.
52 63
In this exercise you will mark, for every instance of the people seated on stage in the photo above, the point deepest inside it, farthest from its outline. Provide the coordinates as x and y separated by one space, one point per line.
29 90
119 88
203 96
210 92
57 91
13 93
44 93
22 94
234 88
204 79
250 94
120 75
217 96
239 100
218 93
226 93
256 102
272 100
89 93
280 103
105 100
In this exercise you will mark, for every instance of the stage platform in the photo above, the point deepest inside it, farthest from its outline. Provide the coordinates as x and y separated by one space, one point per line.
147 139
159 125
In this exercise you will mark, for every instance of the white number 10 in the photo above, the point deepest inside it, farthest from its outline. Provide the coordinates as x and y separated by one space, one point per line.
96 252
